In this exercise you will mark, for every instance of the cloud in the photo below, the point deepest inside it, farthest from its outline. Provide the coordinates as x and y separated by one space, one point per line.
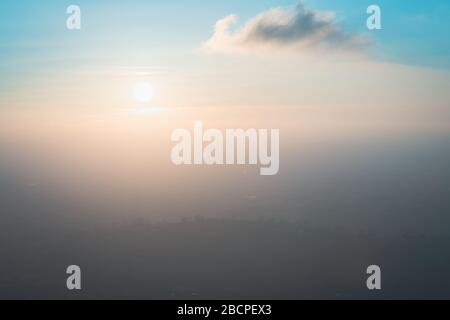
296 29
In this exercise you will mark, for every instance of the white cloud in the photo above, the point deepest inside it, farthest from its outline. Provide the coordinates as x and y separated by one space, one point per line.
297 29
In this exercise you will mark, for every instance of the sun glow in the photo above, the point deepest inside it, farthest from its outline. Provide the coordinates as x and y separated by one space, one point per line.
143 92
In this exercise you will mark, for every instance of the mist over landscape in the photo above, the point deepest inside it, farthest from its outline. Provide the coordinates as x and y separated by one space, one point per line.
345 198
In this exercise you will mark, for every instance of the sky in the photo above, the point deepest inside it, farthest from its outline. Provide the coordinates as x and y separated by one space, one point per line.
174 46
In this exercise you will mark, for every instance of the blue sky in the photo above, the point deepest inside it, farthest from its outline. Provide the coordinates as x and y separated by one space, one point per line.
35 45
415 31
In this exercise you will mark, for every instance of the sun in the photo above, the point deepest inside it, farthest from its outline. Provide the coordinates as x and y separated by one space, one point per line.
143 92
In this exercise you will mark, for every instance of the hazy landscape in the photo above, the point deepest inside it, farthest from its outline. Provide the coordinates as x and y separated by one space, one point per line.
141 228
